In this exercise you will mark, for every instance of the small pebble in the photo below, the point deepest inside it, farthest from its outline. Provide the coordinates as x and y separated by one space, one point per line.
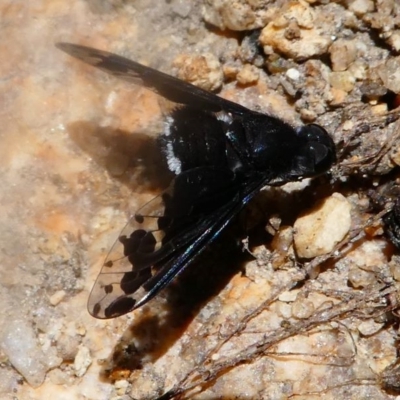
57 297
293 74
361 7
318 232
295 33
20 344
248 74
369 327
360 278
302 308
82 361
203 70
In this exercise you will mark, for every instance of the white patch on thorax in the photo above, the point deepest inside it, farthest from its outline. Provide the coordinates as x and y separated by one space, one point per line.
224 117
174 164
169 121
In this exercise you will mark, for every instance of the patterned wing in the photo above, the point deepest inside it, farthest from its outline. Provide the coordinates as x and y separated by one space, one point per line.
129 262
165 85
154 250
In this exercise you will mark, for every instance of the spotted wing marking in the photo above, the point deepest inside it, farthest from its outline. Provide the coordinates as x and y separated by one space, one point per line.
118 271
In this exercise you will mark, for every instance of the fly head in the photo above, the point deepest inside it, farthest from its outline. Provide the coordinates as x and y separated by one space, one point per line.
316 153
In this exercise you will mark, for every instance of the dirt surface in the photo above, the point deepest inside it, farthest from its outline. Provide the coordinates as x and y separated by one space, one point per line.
79 156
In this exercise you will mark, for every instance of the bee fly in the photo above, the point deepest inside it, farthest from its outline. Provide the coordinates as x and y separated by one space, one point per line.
222 154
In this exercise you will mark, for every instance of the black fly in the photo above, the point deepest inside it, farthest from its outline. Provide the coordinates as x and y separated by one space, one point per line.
222 154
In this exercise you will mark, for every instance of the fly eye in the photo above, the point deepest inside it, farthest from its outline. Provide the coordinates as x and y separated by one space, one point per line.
320 152
313 132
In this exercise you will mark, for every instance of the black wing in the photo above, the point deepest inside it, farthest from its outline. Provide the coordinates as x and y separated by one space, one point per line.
157 244
165 85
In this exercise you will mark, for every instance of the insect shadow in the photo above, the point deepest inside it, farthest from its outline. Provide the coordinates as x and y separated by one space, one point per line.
163 322
135 160
221 157
222 154
132 158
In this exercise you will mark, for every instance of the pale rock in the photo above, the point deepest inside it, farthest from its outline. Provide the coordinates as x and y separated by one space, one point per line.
343 80
293 74
394 40
248 74
318 231
305 41
82 361
360 7
390 74
360 278
202 70
302 308
343 53
57 297
20 344
235 15
369 327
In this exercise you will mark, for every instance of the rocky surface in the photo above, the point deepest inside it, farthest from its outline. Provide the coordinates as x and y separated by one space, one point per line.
78 156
